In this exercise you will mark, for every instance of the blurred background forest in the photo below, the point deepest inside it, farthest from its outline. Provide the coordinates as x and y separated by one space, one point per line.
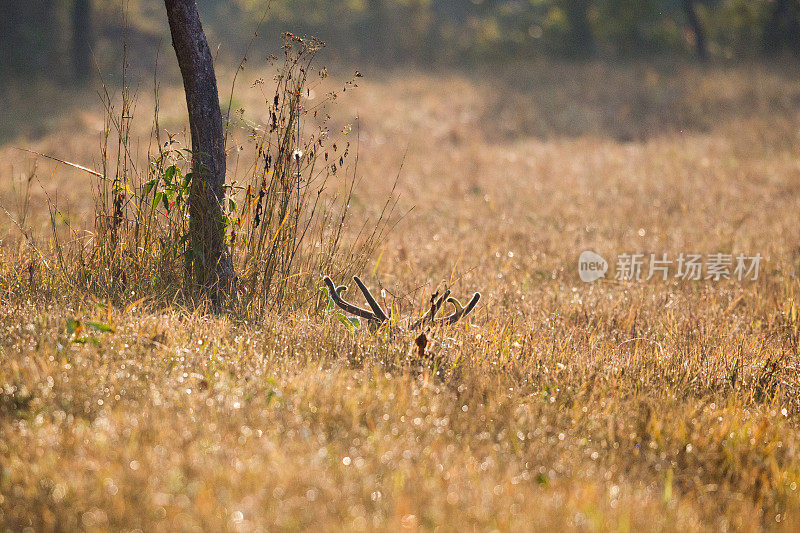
619 56
66 40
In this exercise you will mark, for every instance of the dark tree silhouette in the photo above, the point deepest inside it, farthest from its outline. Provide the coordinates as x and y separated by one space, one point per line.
27 43
377 34
782 28
581 39
82 39
7 34
697 29
209 266
447 16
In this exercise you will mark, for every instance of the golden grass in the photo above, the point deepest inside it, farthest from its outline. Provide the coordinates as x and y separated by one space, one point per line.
607 406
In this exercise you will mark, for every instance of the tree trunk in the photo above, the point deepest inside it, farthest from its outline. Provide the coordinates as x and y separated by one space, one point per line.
697 29
448 19
209 266
582 42
82 39
7 37
782 30
774 30
376 35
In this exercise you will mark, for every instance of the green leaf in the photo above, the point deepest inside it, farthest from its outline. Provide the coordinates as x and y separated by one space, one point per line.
343 319
231 205
86 340
149 186
98 326
350 321
169 174
156 200
72 325
329 305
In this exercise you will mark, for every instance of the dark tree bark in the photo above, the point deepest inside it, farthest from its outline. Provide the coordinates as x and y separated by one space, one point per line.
773 30
7 37
376 34
782 29
82 39
697 29
209 268
447 17
582 41
27 45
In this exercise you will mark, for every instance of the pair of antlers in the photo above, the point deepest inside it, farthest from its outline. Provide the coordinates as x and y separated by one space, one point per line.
378 316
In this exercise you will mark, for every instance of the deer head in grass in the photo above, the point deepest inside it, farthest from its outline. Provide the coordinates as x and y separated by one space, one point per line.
376 316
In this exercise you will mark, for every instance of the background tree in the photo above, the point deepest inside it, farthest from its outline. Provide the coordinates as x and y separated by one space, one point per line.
209 266
782 28
580 32
377 30
28 37
448 20
82 39
697 29
53 39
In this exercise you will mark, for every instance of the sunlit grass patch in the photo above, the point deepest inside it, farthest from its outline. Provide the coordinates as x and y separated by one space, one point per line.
556 404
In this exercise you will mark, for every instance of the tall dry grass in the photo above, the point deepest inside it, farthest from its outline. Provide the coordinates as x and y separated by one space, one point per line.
667 405
284 213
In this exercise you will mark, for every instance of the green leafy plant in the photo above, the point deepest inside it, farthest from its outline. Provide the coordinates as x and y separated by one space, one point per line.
284 219
350 322
76 329
169 188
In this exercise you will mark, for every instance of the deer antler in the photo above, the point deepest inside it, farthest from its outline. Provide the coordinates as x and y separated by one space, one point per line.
376 315
461 311
376 308
430 314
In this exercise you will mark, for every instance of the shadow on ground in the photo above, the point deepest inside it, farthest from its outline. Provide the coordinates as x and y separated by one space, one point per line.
631 101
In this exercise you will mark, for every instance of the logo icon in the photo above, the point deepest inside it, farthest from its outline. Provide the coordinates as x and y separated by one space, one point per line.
591 266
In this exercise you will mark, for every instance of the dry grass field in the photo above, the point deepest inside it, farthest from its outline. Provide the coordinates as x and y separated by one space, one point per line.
558 404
